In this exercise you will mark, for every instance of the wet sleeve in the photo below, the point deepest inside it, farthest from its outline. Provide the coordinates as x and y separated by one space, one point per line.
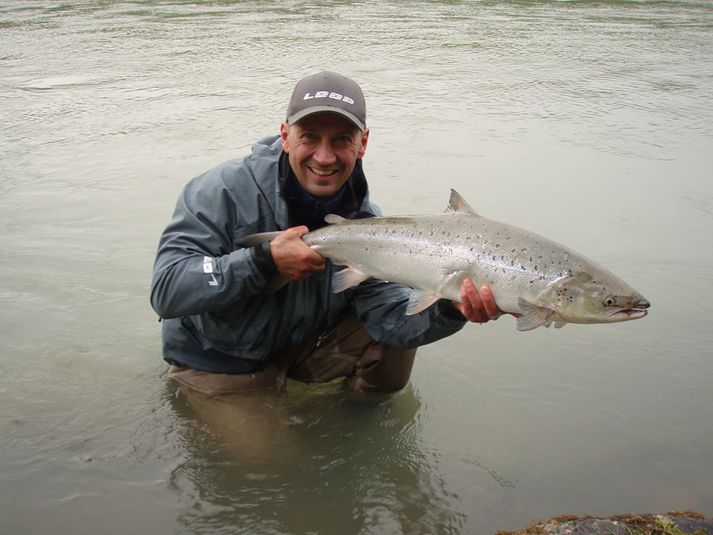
197 266
381 307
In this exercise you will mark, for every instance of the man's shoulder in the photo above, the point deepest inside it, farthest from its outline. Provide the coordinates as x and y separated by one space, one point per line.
264 157
258 166
270 144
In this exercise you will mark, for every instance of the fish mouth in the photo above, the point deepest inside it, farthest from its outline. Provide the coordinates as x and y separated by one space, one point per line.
638 310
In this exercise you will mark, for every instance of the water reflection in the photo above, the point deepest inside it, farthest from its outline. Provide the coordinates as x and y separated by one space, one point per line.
313 461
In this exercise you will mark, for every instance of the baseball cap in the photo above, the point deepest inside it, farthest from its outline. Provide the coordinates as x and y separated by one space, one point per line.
328 91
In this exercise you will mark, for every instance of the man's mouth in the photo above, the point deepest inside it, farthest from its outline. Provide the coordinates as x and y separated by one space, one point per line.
322 172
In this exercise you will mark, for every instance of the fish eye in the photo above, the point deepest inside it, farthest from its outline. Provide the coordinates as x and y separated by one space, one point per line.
609 301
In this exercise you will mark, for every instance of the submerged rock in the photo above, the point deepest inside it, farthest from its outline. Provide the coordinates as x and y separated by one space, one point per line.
674 523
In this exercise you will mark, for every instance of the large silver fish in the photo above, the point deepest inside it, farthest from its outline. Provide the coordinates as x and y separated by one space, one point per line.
537 278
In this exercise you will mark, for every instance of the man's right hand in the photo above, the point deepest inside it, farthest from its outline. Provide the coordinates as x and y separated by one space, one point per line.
293 257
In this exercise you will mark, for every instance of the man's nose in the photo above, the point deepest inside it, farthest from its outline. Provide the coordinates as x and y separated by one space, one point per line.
324 155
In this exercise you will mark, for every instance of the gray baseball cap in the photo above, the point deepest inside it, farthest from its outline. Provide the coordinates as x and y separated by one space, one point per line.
328 91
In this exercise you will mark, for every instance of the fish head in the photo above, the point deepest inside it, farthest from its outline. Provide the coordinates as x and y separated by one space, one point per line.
600 298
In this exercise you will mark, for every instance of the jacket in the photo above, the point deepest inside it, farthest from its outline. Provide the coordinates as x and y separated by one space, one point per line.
212 293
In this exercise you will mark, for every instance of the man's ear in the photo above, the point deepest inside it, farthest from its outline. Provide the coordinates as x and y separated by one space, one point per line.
364 142
284 127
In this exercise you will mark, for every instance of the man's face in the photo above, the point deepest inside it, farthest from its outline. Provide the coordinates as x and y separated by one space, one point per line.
323 149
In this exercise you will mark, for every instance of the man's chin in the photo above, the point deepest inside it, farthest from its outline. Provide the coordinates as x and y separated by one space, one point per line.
324 191
323 188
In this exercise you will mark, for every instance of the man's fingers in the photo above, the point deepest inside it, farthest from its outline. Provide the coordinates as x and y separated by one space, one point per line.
488 301
473 307
477 305
293 257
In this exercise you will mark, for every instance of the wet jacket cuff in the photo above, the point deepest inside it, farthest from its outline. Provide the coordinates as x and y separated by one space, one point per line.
262 256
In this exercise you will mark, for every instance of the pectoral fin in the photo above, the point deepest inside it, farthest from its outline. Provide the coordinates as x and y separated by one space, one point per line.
420 300
532 316
347 278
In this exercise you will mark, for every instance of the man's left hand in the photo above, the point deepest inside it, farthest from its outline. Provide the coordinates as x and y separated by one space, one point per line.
476 305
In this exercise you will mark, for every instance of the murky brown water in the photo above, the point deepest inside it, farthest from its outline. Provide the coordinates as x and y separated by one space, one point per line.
588 122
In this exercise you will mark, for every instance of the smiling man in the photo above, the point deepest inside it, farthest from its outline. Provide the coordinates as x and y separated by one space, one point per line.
323 150
226 330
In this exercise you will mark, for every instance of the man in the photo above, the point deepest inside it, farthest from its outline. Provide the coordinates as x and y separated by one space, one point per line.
225 328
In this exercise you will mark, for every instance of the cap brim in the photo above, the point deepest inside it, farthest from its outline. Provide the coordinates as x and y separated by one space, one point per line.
319 109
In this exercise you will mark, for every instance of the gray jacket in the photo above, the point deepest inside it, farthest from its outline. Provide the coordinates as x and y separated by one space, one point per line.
211 291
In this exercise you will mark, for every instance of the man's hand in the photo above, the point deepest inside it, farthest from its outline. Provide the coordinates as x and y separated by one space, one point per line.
293 257
477 306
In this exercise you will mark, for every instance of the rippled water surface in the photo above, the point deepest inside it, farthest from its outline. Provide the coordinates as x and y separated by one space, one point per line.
588 122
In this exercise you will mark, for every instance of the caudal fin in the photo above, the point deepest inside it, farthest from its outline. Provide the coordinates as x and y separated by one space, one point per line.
257 239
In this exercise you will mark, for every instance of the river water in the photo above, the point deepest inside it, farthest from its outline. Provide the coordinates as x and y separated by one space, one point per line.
588 122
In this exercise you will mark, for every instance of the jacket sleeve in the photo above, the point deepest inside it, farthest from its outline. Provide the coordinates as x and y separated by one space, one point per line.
197 266
381 307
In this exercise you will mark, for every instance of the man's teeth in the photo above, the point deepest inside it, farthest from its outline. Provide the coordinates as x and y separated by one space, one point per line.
322 173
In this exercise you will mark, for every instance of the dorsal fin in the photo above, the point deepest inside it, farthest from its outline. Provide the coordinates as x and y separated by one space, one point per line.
457 204
334 219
